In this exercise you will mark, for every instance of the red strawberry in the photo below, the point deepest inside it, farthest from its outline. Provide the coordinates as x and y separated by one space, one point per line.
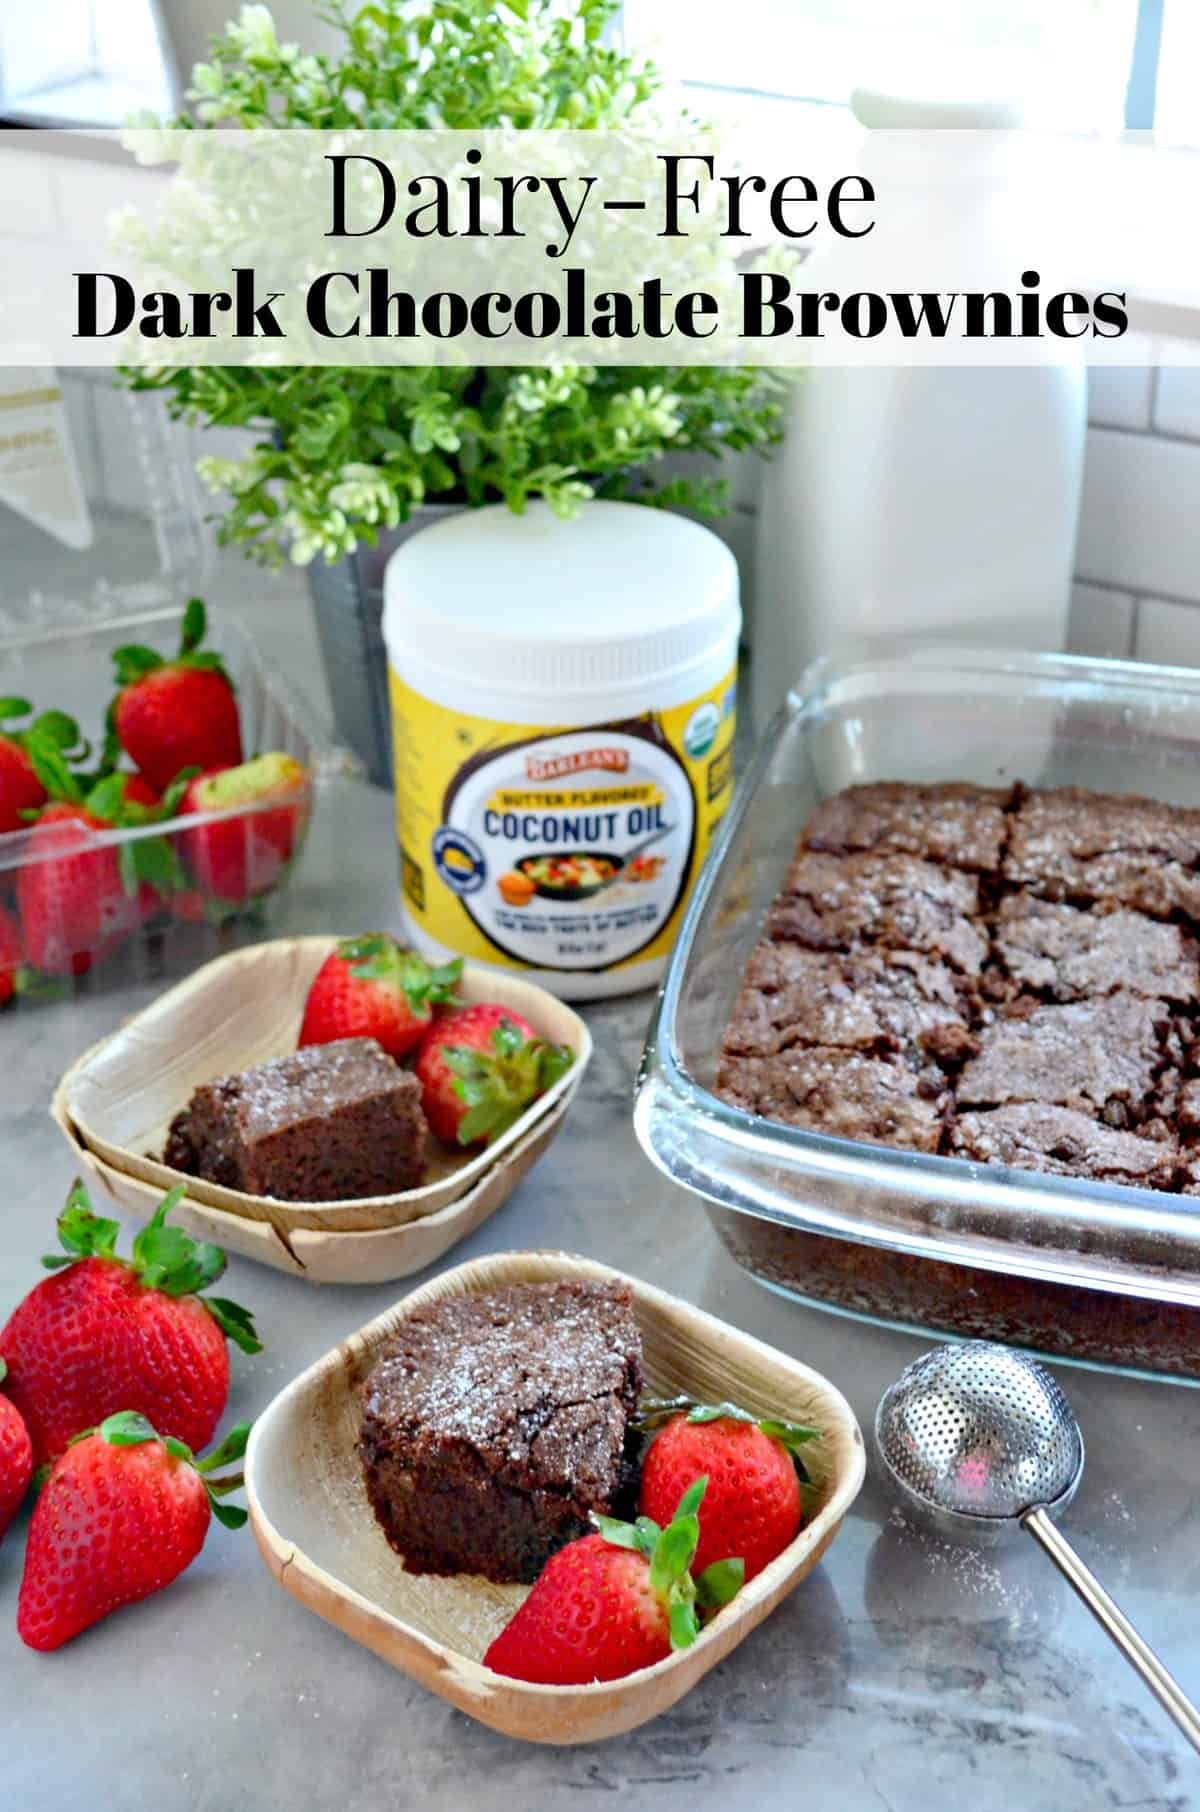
16 1459
79 894
20 788
12 953
611 1603
71 894
752 1508
23 787
371 988
235 858
109 1331
175 714
121 1515
138 791
479 1069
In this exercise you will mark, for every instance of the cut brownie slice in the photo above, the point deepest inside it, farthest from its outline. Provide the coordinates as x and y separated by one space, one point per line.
1068 953
1071 844
852 1096
330 1122
834 902
871 1000
494 1425
1060 1142
1100 1056
963 826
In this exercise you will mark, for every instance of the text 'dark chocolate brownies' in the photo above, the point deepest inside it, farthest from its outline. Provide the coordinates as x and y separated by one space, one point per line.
493 1425
327 1123
1007 976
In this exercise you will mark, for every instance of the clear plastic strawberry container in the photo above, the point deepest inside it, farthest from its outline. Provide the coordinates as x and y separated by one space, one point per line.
64 609
168 931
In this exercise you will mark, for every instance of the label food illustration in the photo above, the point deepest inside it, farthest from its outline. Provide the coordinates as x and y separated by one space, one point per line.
567 849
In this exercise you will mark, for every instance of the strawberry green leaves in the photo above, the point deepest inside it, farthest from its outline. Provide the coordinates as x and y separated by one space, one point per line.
163 1258
720 1583
235 1322
497 1085
134 661
670 1552
81 1232
653 1412
52 741
168 1259
377 956
127 1428
195 626
231 1449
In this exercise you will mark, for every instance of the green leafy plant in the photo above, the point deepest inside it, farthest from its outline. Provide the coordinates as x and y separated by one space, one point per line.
347 452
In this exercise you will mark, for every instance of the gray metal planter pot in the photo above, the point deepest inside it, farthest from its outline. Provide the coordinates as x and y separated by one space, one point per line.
347 601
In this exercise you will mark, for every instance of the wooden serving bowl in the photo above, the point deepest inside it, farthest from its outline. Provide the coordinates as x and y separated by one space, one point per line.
115 1104
316 1531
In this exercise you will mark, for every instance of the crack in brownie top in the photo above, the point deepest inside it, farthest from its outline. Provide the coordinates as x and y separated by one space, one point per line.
536 1373
1009 975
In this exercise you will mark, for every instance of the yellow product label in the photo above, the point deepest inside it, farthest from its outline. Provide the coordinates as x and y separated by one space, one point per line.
557 847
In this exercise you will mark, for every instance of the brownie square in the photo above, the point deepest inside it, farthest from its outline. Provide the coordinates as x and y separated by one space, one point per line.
493 1425
852 1096
1100 1056
834 902
1067 953
1071 844
1031 1136
330 1122
871 1000
962 826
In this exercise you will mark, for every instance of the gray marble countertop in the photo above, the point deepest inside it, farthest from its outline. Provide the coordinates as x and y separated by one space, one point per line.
903 1676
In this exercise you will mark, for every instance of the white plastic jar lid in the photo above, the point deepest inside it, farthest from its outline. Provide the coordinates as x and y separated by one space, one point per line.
603 603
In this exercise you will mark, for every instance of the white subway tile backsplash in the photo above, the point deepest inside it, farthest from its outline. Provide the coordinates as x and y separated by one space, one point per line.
1168 632
1119 395
1101 621
1139 526
1177 409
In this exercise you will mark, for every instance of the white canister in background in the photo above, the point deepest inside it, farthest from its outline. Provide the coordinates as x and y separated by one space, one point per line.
563 704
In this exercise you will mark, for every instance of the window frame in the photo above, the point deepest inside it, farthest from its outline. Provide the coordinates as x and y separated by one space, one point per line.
1141 87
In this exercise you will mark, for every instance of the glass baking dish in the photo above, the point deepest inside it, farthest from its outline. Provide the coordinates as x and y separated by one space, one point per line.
70 669
1083 1270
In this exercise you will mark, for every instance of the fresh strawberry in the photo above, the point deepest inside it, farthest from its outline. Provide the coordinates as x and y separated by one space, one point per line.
613 1602
479 1069
369 987
138 791
123 1512
22 787
12 953
16 1459
79 894
182 713
108 1331
235 858
752 1509
71 896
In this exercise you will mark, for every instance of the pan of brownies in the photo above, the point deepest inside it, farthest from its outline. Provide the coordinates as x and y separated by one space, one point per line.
940 1065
